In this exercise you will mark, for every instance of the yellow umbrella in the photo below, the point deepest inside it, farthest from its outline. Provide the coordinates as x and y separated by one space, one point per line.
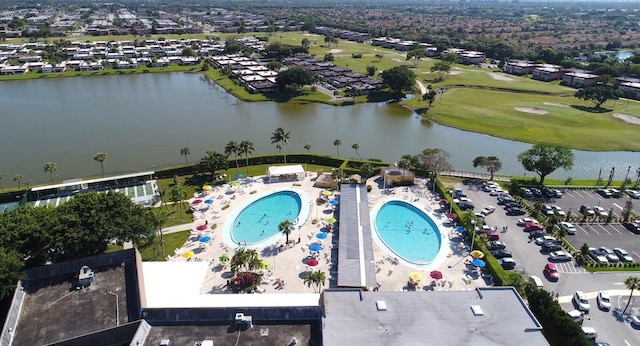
415 276
188 254
207 187
327 193
264 264
477 254
330 220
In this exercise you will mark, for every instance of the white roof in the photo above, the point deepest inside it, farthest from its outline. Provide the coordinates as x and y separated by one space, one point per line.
282 170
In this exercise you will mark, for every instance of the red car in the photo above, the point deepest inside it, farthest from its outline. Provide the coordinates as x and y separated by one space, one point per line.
533 226
551 272
493 235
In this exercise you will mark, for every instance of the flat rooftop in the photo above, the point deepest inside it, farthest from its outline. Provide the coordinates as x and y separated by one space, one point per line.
54 310
488 316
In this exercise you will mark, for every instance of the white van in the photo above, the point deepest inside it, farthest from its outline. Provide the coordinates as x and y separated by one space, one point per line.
535 282
590 333
577 316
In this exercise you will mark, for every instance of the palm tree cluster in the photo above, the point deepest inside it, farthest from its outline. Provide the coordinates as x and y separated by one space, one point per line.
238 149
281 138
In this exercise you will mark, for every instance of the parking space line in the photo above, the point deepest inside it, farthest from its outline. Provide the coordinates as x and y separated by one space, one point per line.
619 207
592 229
604 229
635 253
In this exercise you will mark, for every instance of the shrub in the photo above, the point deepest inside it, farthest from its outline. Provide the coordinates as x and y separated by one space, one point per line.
369 188
356 55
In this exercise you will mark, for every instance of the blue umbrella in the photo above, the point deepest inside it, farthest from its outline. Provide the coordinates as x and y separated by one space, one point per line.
205 239
460 229
478 263
208 201
315 247
334 202
239 175
321 236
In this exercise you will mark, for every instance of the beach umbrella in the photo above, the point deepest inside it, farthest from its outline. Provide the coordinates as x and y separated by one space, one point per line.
330 220
460 229
436 274
235 184
327 193
264 264
452 215
334 202
315 247
201 227
205 239
478 263
321 236
188 254
239 175
207 188
196 201
208 201
415 276
312 262
477 254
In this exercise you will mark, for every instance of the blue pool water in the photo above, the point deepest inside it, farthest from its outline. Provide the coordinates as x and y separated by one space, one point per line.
408 232
260 219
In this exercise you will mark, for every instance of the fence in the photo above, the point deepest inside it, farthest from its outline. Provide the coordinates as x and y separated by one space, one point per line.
476 175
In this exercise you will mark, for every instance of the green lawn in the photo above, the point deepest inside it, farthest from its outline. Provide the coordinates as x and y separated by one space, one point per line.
106 72
152 252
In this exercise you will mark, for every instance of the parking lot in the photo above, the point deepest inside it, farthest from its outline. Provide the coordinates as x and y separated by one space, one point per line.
608 235
573 199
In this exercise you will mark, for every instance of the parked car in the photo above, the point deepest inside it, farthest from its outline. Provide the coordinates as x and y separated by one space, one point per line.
557 193
623 255
488 210
550 246
568 227
635 321
548 210
633 193
512 204
504 199
522 221
515 211
577 316
536 192
581 302
536 234
600 211
604 301
609 254
597 255
533 226
551 272
590 333
496 245
587 210
560 256
634 226
507 263
544 239
502 253
464 205
604 193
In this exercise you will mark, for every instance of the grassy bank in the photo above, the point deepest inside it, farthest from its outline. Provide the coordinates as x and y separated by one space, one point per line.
106 72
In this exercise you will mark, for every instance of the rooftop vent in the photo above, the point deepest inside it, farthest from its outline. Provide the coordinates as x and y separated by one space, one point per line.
477 310
264 331
381 305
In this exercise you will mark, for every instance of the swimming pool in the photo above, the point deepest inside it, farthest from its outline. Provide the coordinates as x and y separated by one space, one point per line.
407 232
255 222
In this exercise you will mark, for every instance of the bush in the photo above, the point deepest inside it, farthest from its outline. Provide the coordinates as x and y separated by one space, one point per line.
369 188
356 56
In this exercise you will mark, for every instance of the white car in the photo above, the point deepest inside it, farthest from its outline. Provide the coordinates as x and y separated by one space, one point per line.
604 301
558 210
623 255
600 211
611 256
633 194
522 221
560 256
548 210
568 227
544 239
581 301
488 210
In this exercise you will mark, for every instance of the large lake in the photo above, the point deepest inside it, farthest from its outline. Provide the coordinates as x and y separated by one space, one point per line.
142 121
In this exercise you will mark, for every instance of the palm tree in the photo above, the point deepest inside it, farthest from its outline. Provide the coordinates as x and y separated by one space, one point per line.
337 143
18 178
246 148
178 193
162 196
100 157
1 176
404 165
279 147
286 227
232 148
355 147
50 167
185 152
316 278
307 147
282 138
633 283
366 170
157 219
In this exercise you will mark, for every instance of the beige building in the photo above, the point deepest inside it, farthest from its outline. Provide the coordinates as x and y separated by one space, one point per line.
396 176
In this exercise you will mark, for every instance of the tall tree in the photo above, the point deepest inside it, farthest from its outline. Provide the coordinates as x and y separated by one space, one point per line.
178 194
246 148
399 79
404 165
598 94
305 42
544 159
185 151
214 161
435 161
100 157
355 147
632 283
337 143
366 170
286 227
281 137
11 272
441 67
307 147
157 219
316 279
416 55
18 179
50 167
491 163
232 148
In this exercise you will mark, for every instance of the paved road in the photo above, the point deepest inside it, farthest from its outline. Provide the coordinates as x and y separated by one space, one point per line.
530 261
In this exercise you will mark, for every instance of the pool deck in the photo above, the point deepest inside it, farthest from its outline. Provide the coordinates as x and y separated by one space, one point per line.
289 265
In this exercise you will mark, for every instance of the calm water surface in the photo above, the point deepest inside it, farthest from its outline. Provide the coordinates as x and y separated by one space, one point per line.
142 121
